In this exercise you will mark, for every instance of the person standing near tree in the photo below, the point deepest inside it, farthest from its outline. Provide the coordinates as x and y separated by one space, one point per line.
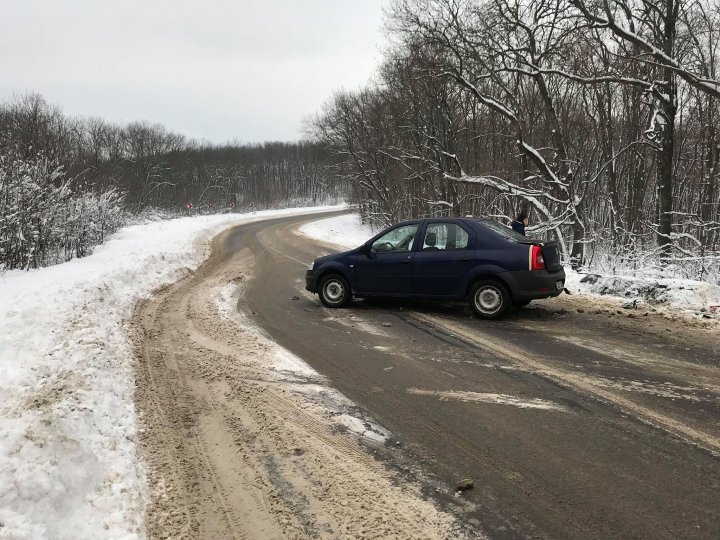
520 223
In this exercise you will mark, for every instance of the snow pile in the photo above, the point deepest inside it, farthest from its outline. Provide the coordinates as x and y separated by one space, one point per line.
698 297
683 294
68 462
346 231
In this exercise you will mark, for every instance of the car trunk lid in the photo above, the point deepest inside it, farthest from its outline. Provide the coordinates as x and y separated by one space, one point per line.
551 254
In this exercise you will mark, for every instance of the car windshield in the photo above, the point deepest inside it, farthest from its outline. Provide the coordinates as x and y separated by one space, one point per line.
400 239
506 232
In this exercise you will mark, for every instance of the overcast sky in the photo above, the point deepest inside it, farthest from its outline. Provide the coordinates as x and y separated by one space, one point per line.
216 70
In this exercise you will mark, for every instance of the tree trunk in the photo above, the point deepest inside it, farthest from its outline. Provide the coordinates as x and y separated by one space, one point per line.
666 156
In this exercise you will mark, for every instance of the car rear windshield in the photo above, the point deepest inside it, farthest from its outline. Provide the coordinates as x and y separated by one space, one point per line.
506 232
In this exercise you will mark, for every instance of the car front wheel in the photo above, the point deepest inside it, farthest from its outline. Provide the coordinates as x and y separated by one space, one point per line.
489 299
334 291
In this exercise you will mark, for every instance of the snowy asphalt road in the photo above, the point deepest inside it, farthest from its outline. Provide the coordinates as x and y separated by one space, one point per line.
571 423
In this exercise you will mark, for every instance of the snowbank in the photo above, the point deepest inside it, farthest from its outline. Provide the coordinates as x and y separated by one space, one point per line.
346 231
693 297
68 461
696 298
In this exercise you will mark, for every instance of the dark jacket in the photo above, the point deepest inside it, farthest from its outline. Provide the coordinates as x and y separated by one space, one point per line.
518 226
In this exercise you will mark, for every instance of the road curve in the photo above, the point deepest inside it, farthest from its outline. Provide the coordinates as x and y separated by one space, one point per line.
572 420
240 440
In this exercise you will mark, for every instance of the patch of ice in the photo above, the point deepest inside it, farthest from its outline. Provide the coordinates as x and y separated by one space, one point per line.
366 429
287 361
661 389
482 397
357 323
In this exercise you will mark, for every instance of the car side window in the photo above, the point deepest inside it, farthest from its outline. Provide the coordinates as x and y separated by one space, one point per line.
445 236
398 240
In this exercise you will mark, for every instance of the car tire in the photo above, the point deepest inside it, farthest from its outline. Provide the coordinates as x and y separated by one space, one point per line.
334 291
489 299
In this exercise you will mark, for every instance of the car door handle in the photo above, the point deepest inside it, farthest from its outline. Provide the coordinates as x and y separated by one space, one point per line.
466 259
406 261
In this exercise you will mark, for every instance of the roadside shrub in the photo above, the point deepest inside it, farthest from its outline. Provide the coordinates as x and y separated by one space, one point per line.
43 221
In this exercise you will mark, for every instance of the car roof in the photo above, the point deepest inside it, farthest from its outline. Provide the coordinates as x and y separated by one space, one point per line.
486 227
471 221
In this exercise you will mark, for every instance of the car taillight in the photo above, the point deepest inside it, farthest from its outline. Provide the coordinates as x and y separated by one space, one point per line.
536 259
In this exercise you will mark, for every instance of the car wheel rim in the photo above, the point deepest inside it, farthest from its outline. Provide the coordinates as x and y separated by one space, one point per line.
334 291
488 300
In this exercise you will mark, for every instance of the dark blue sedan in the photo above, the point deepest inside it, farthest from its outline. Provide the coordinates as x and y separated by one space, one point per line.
490 265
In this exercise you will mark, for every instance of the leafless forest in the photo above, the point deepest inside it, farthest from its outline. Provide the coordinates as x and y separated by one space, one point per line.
65 183
599 117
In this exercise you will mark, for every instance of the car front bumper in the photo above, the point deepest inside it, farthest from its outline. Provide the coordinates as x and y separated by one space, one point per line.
310 281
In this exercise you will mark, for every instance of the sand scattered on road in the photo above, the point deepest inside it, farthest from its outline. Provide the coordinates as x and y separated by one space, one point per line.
243 439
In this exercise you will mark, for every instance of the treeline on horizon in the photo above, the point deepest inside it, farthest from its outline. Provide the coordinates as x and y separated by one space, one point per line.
66 183
600 119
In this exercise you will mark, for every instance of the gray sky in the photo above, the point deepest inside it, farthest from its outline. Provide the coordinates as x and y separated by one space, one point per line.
211 69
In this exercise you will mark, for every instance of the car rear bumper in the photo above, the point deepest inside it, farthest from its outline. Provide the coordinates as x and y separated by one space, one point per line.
535 284
310 281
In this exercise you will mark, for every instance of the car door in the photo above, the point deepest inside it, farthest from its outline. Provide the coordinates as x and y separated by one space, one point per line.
385 268
443 259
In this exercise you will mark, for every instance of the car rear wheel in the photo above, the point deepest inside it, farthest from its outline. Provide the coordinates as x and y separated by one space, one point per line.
489 299
334 291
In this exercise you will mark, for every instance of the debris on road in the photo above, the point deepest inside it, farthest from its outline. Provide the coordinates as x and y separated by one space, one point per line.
465 485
